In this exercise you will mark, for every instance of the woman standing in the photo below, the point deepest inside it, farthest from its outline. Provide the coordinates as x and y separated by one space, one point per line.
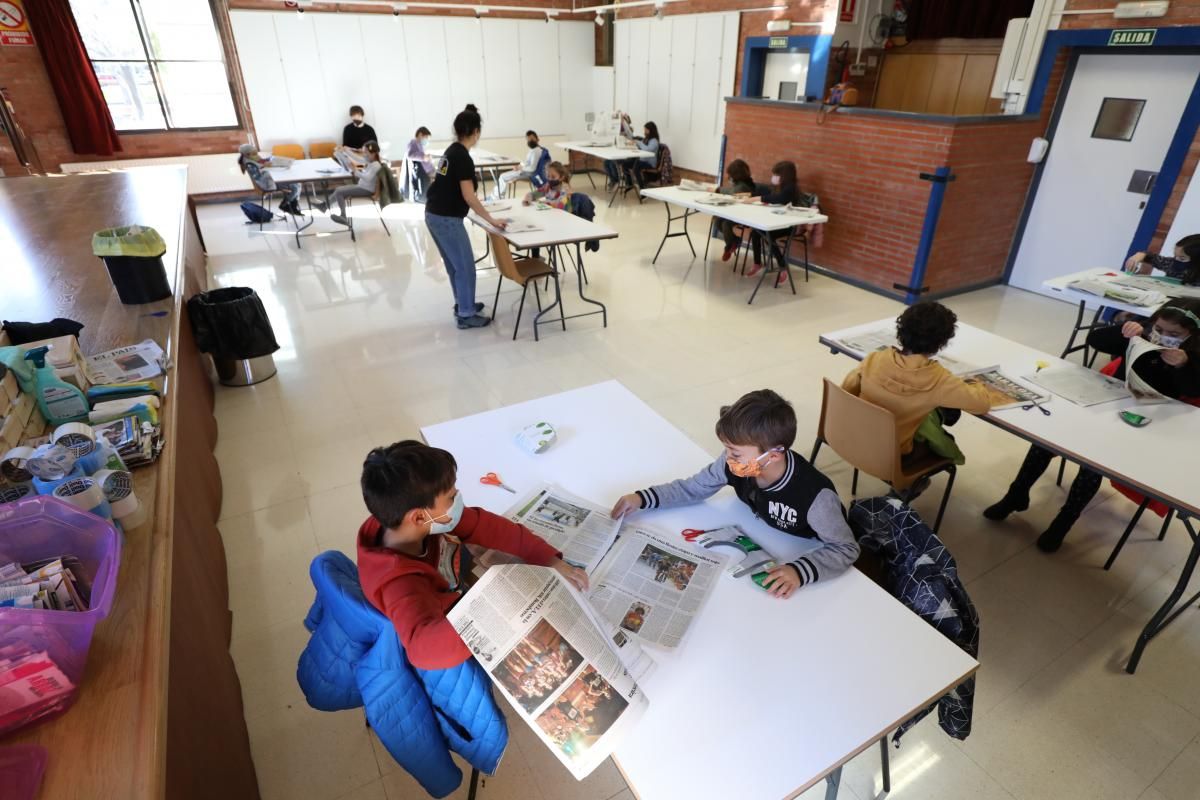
449 199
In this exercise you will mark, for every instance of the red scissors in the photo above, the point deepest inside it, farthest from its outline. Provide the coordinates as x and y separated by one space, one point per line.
692 534
492 479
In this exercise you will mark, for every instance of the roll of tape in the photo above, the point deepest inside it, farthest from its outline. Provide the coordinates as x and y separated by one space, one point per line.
117 486
85 494
14 492
50 462
133 520
78 437
14 465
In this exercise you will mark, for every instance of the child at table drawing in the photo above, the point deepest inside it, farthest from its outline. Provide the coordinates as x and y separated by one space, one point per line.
740 184
921 393
1174 372
1183 264
411 560
779 485
254 164
556 192
784 190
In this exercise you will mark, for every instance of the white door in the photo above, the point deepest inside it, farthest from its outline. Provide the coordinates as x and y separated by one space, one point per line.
1083 215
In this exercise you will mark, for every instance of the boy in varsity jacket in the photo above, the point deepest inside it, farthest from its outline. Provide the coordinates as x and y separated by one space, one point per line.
779 485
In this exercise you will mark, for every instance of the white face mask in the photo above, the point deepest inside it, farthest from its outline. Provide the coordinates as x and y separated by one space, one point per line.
1170 342
775 180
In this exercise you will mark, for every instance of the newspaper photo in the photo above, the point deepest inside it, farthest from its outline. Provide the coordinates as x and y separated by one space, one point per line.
562 669
136 362
1143 392
1005 391
869 341
1079 385
581 531
652 587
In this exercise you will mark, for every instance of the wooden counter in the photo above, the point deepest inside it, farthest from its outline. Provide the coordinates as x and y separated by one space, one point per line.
159 712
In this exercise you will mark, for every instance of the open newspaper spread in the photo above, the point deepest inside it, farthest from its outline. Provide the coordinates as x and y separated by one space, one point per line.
653 587
581 531
1143 392
563 669
1005 391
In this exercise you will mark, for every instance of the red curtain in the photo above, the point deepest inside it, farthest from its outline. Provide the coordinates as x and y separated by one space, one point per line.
89 125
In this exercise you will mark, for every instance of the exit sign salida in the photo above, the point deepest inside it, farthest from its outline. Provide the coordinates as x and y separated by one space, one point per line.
1132 37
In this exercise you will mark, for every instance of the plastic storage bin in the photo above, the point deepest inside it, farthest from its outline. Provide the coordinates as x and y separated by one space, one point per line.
21 770
36 528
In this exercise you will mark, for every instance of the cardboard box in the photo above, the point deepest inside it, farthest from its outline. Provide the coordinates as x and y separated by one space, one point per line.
10 434
22 410
8 389
36 425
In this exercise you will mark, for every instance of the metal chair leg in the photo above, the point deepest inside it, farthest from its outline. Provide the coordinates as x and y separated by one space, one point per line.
471 792
832 781
1116 551
937 523
885 762
1162 533
520 308
854 483
816 449
1062 467
496 302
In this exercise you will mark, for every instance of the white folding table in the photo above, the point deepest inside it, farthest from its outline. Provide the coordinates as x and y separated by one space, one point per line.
1093 436
765 697
307 171
485 162
555 229
759 218
1061 287
604 152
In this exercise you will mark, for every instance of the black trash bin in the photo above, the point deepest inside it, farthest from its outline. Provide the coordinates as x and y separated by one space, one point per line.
232 326
133 255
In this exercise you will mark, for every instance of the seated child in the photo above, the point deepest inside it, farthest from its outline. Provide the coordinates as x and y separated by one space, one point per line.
779 485
409 568
556 192
911 385
1183 264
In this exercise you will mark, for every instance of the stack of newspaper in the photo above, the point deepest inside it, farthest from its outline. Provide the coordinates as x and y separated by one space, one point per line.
136 442
52 584
570 663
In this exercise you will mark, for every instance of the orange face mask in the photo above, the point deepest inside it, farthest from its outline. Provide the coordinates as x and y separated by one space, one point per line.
751 470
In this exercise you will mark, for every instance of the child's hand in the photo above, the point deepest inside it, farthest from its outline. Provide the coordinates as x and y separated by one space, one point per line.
782 581
1131 263
628 504
1175 357
1131 329
575 575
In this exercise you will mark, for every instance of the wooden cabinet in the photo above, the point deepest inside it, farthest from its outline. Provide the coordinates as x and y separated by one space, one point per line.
949 76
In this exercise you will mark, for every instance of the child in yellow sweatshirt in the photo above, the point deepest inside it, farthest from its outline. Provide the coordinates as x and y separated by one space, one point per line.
908 382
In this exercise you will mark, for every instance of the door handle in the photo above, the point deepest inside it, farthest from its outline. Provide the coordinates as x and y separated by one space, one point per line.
1142 181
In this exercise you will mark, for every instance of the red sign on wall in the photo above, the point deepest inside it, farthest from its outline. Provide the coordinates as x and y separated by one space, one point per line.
14 26
848 8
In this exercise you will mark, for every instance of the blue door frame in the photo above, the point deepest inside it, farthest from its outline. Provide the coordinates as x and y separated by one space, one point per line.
754 62
1167 41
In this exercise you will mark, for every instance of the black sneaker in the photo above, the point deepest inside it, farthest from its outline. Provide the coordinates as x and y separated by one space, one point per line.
322 207
454 309
340 220
1006 505
477 321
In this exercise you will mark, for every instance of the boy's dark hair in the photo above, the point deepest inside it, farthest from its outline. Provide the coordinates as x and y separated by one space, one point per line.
357 110
739 171
761 418
531 133
403 476
423 131
925 328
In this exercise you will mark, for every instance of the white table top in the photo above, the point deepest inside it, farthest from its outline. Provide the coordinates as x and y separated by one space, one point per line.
1059 287
303 170
484 159
1153 459
723 721
557 226
604 152
752 215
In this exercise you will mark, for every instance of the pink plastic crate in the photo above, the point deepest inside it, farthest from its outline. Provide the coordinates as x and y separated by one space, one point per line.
45 527
21 770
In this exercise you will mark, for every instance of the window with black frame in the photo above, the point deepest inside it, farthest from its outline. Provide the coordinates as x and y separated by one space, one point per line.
159 62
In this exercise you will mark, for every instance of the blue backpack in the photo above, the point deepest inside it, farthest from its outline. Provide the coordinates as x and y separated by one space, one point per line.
256 213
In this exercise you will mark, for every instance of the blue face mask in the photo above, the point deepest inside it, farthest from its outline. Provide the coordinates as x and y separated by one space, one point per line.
454 513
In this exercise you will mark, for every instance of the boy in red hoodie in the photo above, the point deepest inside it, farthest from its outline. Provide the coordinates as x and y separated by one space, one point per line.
409 568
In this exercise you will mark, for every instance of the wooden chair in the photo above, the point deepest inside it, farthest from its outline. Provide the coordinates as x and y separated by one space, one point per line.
321 149
288 151
865 436
523 272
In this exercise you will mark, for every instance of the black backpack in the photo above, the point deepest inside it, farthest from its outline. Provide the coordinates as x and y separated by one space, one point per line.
256 213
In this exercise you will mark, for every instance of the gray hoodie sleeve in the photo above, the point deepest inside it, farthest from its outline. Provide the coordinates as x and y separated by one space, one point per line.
838 549
701 486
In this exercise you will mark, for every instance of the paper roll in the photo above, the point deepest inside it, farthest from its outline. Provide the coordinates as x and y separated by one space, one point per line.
84 494
14 465
50 462
78 437
117 486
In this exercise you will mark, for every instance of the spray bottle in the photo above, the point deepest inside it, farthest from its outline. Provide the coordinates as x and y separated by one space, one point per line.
58 400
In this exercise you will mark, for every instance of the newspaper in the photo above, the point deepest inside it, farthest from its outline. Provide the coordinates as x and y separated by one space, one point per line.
136 362
1005 391
653 587
1112 290
1079 385
582 531
689 185
562 669
868 342
1143 392
1168 286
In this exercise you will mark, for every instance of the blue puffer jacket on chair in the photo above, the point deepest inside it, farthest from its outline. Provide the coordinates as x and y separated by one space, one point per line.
354 659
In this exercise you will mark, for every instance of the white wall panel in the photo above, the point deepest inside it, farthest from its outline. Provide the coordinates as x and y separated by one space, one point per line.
659 56
504 113
621 66
468 72
425 44
391 112
684 139
340 64
263 74
639 63
538 55
576 84
297 46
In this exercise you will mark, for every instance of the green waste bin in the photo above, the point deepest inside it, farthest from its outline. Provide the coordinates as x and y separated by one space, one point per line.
133 256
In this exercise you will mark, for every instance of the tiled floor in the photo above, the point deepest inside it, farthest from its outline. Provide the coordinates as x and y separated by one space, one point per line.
370 353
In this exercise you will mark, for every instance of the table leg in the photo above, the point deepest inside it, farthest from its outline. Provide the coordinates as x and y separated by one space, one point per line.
487 249
668 235
832 781
579 275
558 302
1168 612
1080 326
311 219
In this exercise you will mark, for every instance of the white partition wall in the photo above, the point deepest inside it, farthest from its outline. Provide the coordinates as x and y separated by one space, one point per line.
303 72
677 71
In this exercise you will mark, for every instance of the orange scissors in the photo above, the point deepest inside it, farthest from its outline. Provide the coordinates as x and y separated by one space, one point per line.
492 479
692 534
